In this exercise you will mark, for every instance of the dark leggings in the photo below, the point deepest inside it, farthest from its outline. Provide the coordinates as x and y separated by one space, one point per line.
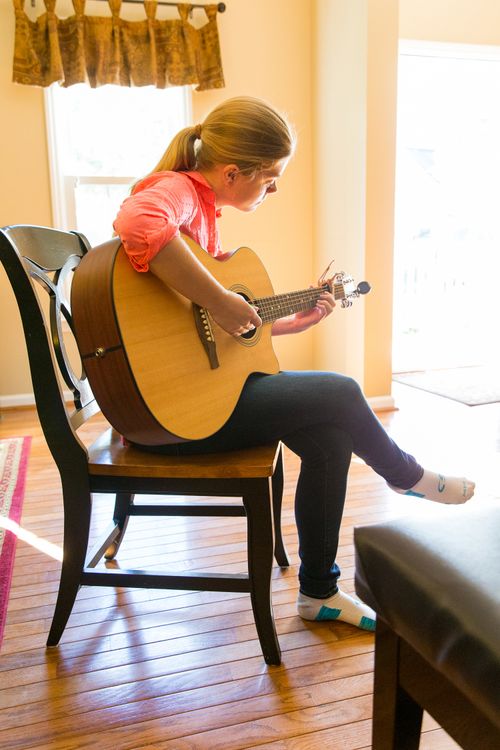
323 417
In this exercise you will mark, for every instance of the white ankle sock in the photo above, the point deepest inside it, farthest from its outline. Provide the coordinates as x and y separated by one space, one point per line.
441 489
340 606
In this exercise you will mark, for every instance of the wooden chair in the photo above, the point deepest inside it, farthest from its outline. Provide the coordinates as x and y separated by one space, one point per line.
48 256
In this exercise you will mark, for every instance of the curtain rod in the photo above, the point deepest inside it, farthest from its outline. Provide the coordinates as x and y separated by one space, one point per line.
221 7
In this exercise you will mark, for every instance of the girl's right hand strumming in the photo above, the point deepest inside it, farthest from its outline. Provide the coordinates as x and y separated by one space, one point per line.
234 314
179 268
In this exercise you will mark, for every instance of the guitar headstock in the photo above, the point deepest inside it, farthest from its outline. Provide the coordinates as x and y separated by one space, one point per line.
343 287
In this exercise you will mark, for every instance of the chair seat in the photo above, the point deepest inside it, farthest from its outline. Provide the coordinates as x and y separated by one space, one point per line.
108 456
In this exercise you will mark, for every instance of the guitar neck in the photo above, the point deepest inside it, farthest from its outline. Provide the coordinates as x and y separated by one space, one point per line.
281 305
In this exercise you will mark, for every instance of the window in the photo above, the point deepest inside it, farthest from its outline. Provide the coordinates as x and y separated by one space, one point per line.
447 219
102 140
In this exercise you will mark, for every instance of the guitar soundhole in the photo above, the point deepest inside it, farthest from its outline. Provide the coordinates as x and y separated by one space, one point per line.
250 337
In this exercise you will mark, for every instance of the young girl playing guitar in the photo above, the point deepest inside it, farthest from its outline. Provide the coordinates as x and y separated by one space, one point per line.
235 157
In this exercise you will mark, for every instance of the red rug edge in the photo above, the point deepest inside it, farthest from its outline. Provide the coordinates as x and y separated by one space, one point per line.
7 555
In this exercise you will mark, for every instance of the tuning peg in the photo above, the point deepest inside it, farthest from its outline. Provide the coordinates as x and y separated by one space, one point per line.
363 287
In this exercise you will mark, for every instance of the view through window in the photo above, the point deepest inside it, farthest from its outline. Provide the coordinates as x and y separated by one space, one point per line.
100 141
447 240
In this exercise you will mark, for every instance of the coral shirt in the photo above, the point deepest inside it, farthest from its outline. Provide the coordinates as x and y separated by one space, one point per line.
160 207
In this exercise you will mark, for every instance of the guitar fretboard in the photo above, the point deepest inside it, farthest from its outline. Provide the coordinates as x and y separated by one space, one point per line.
281 305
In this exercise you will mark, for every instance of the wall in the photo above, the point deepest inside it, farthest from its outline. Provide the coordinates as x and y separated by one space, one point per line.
381 106
267 53
24 192
331 65
457 21
355 101
340 157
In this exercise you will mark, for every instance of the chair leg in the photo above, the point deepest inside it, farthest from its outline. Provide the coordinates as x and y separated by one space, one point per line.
76 535
258 506
280 552
397 719
120 517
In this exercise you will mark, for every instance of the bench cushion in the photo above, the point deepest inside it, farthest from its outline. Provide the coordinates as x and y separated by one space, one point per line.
435 579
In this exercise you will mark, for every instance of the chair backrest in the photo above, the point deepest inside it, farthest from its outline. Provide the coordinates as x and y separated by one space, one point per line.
40 257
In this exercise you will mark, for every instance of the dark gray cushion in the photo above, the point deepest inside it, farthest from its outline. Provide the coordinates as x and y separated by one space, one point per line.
435 579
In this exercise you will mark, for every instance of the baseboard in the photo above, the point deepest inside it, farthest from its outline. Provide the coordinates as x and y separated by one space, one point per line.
16 400
20 400
382 403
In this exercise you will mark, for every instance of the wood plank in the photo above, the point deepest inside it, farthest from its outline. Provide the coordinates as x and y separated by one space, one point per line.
183 670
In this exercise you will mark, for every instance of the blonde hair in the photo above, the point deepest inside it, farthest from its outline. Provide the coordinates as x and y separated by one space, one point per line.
242 131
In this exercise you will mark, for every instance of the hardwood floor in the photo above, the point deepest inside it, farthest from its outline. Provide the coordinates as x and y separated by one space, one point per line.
183 670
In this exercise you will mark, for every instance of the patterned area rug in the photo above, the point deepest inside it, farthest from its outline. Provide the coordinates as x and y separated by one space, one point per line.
469 385
13 464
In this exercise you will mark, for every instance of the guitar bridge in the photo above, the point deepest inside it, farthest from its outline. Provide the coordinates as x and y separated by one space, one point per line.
206 335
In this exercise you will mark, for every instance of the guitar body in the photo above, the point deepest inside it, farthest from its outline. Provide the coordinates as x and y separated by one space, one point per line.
144 355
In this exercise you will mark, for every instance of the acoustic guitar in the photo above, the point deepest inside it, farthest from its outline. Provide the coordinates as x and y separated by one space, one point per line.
161 370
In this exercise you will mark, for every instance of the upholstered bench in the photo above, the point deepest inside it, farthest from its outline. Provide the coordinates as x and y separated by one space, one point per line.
434 581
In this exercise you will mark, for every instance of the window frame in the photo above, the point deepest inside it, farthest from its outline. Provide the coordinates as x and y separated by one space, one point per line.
62 187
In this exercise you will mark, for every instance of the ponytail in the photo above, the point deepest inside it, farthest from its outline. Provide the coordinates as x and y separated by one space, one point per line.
242 131
180 156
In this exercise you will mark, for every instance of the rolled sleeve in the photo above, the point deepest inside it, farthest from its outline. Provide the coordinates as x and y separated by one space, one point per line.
151 217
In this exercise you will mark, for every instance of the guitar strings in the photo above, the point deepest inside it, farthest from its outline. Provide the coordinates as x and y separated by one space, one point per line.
272 308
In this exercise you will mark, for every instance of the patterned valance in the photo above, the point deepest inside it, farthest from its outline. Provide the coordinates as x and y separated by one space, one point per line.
99 50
